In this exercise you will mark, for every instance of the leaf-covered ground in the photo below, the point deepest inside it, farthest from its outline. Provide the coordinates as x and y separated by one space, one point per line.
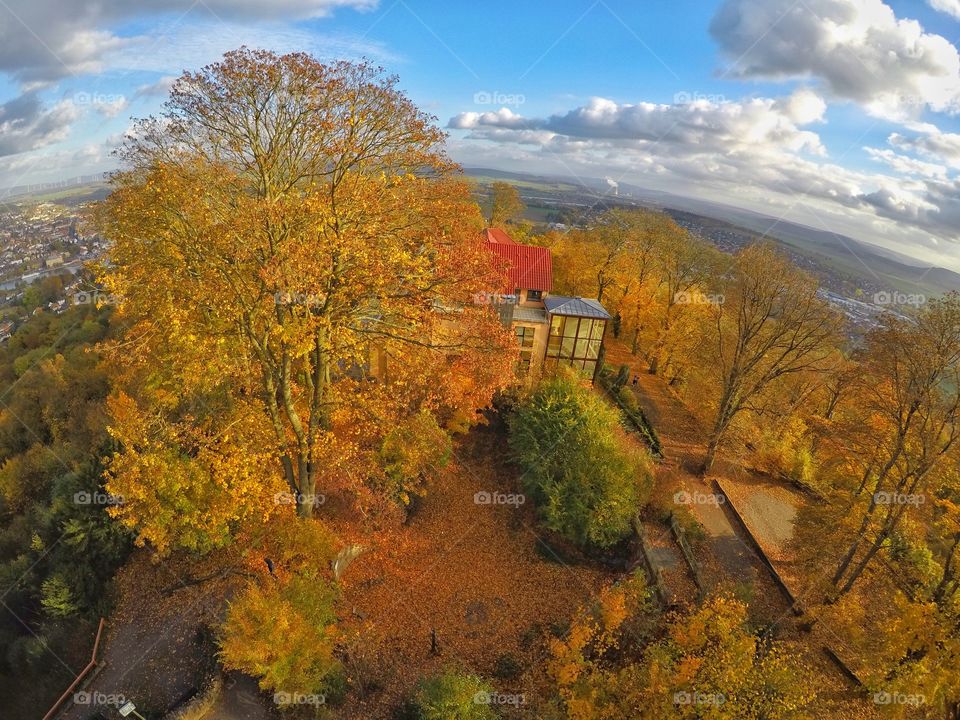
472 573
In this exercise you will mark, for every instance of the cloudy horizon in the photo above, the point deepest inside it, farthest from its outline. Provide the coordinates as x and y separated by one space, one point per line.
837 114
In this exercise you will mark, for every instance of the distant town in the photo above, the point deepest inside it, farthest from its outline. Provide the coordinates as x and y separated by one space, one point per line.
42 253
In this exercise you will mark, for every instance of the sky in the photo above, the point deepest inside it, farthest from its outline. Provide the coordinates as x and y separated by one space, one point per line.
838 114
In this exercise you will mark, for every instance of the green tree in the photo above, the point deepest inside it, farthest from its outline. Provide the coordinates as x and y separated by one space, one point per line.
576 465
454 696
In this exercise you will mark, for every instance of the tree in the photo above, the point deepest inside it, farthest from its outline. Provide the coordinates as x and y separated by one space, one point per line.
587 482
282 627
283 228
454 696
506 204
771 325
707 664
687 267
909 426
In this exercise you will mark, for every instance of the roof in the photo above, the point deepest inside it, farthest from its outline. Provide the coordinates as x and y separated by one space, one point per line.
575 307
496 235
530 315
527 266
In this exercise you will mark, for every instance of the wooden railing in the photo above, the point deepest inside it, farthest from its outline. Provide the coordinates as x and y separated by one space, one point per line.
83 673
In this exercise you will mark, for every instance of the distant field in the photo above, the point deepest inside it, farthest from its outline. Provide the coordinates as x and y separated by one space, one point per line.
545 186
72 195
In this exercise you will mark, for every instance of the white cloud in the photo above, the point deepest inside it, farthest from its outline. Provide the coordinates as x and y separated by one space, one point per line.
694 127
757 153
44 40
858 49
907 165
160 88
932 144
951 7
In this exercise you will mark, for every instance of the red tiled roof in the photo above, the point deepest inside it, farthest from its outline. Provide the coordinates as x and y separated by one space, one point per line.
496 235
527 266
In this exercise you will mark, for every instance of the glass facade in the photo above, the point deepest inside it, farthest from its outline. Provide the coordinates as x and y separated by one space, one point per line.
575 341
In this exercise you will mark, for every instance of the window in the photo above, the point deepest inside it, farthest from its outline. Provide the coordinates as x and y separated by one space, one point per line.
525 337
534 295
575 341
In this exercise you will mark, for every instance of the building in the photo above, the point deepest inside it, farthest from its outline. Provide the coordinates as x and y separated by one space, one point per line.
551 329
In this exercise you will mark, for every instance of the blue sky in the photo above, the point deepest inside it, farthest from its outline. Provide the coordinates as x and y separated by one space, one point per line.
840 114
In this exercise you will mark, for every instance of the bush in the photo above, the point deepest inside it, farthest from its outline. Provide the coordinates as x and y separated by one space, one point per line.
569 444
292 656
623 376
628 400
453 696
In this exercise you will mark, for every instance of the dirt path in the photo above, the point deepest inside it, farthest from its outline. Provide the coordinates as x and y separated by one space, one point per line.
729 555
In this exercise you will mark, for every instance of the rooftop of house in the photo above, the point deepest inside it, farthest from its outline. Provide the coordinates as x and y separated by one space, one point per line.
576 307
496 235
527 267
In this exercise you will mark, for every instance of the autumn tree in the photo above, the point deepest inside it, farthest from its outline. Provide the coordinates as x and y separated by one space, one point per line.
690 272
907 432
282 627
506 205
296 259
617 661
770 325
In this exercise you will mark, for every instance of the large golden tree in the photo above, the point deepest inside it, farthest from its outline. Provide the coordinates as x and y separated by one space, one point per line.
295 257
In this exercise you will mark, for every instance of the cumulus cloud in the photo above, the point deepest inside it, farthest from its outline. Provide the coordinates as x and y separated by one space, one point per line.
858 49
759 153
694 127
44 40
951 7
26 125
932 144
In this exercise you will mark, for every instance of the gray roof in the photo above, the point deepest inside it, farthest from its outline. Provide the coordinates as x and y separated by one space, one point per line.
532 315
575 307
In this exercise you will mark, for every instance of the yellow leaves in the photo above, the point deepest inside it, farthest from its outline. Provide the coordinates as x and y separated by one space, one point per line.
183 486
284 633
